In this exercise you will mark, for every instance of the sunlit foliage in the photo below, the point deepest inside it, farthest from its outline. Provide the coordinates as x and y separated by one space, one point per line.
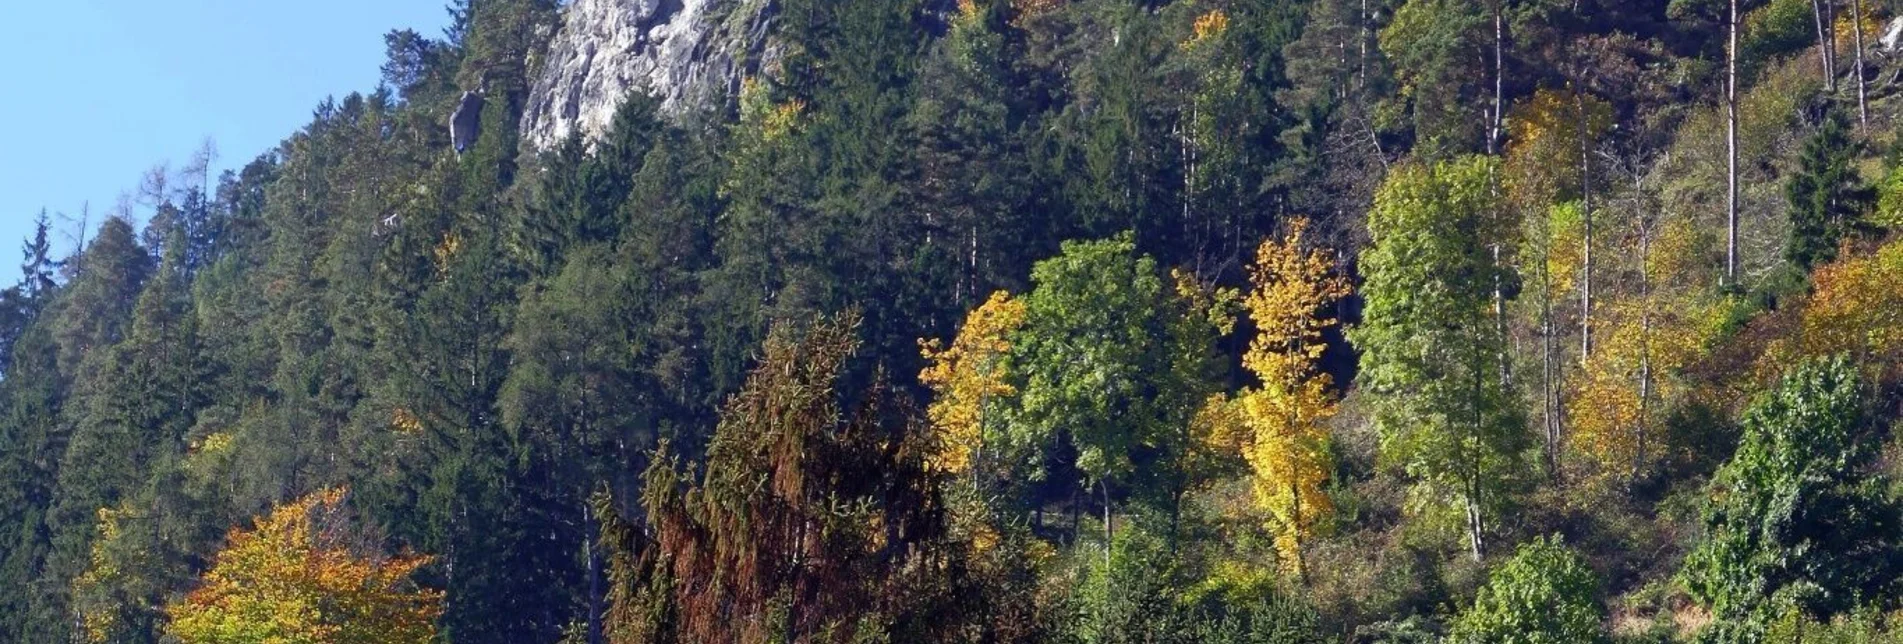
302 575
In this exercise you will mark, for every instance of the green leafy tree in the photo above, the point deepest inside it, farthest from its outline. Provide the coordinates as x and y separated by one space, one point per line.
1544 594
1090 360
1797 521
1430 362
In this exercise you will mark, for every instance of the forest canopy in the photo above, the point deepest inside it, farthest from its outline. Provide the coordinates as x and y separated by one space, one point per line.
1093 321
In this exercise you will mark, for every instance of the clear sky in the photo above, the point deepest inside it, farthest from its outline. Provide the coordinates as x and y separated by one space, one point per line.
95 92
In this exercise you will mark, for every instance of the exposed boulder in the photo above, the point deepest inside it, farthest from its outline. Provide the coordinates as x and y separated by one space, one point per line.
690 53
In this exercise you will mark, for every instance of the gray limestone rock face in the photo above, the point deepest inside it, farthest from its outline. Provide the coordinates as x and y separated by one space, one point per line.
690 53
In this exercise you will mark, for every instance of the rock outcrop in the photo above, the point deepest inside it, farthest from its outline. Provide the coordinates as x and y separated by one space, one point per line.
690 53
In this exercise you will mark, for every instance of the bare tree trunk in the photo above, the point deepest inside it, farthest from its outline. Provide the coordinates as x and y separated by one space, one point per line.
1731 156
1549 374
594 576
1367 32
1829 42
1818 13
1863 97
1585 196
1500 318
1109 537
1476 544
1499 82
1295 503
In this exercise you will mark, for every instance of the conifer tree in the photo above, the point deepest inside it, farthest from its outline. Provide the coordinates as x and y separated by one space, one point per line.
1826 195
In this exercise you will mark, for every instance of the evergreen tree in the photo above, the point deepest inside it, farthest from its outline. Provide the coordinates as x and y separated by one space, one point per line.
129 412
815 518
32 440
1827 196
578 196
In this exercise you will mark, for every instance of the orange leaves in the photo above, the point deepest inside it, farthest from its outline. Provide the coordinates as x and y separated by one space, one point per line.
446 251
406 422
298 577
968 377
1856 307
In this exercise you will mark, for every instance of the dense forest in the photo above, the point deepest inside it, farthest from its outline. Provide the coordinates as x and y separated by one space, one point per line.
1362 321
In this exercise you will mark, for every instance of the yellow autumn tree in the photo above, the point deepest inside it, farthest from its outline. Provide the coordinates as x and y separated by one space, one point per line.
1624 392
1543 160
1855 307
968 379
299 576
1648 335
1287 417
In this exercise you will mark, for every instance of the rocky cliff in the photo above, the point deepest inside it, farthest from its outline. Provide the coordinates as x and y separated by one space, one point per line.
689 53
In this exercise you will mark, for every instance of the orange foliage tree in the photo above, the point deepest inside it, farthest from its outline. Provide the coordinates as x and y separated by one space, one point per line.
816 517
1856 308
300 576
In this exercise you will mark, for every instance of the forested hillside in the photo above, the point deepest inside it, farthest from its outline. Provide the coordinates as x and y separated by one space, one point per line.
1367 321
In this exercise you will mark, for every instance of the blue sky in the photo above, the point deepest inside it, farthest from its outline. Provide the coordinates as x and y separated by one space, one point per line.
95 92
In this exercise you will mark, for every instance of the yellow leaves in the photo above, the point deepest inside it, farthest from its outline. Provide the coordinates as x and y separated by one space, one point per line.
1028 10
1214 307
214 445
1289 457
1847 22
1293 285
1287 416
1621 399
784 119
447 250
1543 158
296 577
1208 27
969 13
969 377
404 421
772 121
100 619
1221 426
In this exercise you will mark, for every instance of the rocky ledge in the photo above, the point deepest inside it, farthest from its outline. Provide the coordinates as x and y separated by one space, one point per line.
690 53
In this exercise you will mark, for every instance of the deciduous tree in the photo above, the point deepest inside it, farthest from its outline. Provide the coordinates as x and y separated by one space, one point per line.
303 574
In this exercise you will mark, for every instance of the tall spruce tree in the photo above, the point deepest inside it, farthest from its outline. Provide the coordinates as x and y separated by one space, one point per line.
1827 196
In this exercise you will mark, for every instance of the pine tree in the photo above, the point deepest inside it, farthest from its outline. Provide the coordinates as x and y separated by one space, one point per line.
815 518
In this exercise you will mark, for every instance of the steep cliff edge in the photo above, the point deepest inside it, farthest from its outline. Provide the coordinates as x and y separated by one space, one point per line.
690 53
